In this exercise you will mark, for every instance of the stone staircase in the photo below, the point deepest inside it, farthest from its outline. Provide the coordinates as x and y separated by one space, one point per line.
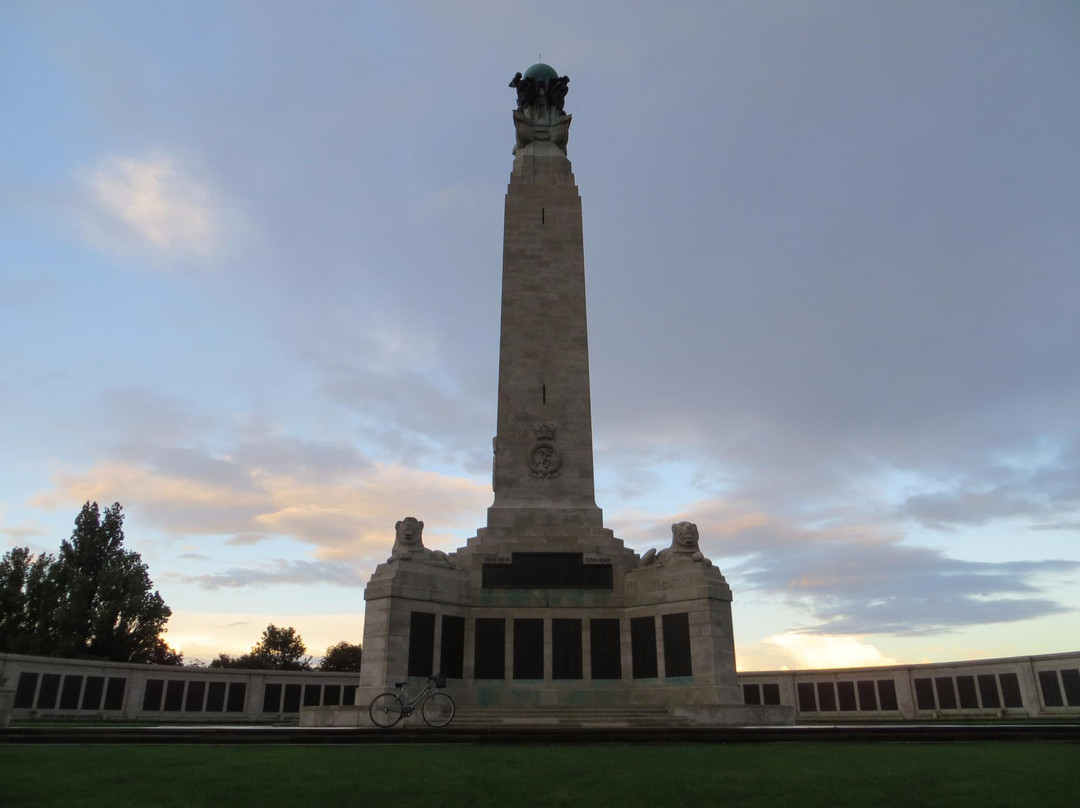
564 717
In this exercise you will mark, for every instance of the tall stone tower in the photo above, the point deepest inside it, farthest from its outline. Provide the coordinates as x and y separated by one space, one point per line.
543 455
543 475
544 606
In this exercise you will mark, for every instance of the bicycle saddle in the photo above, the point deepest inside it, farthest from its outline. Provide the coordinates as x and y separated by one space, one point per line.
400 684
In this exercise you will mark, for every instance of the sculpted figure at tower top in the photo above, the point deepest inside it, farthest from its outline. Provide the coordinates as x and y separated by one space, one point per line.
540 116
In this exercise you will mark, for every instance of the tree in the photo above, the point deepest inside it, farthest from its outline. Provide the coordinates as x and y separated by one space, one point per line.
282 649
164 654
93 600
343 657
28 596
248 661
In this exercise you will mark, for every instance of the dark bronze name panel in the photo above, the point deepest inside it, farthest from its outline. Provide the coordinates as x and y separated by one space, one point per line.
547 571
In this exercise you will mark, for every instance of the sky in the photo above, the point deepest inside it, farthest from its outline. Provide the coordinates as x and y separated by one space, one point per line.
250 259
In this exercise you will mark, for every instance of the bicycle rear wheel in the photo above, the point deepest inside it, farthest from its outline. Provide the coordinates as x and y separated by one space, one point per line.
438 710
385 710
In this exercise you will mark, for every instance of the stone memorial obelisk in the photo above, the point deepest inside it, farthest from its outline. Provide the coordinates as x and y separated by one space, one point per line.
544 607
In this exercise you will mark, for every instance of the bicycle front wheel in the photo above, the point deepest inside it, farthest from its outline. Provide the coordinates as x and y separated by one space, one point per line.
385 710
438 710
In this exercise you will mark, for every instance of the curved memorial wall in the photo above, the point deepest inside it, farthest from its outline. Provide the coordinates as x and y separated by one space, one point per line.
1014 688
50 688
1046 686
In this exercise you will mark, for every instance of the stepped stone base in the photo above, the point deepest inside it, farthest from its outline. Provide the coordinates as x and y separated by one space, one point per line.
596 717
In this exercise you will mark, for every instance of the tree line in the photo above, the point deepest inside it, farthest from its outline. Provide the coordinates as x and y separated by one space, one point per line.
95 600
283 649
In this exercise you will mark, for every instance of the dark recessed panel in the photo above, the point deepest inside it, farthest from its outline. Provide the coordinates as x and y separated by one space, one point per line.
826 696
50 689
237 694
91 697
965 689
528 648
770 694
887 692
155 688
489 660
845 693
924 694
807 697
1071 680
946 693
566 659
114 693
69 696
421 644
452 647
867 696
1048 684
1010 690
547 571
291 703
312 695
643 647
215 697
196 691
331 696
988 691
677 645
174 695
348 695
272 698
24 692
605 648
751 694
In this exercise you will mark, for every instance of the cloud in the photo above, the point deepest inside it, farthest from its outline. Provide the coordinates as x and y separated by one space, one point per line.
864 580
247 539
340 511
280 571
1070 526
1037 489
873 585
806 650
400 381
22 531
153 206
144 415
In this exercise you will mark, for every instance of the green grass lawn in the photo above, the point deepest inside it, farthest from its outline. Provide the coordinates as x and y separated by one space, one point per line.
437 776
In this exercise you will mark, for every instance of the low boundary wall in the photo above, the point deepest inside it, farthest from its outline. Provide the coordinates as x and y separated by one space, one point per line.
70 689
1032 687
1014 688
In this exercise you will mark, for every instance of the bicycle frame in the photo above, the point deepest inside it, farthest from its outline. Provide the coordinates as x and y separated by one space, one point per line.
437 709
409 707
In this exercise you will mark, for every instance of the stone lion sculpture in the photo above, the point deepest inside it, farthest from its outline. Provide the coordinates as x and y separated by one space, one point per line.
409 544
684 548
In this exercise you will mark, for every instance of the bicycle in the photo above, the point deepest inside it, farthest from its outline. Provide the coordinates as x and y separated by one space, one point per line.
437 709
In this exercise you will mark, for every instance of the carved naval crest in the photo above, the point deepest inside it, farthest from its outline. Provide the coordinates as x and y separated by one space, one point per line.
544 459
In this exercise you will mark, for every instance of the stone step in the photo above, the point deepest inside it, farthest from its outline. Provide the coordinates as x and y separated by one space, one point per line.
472 716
